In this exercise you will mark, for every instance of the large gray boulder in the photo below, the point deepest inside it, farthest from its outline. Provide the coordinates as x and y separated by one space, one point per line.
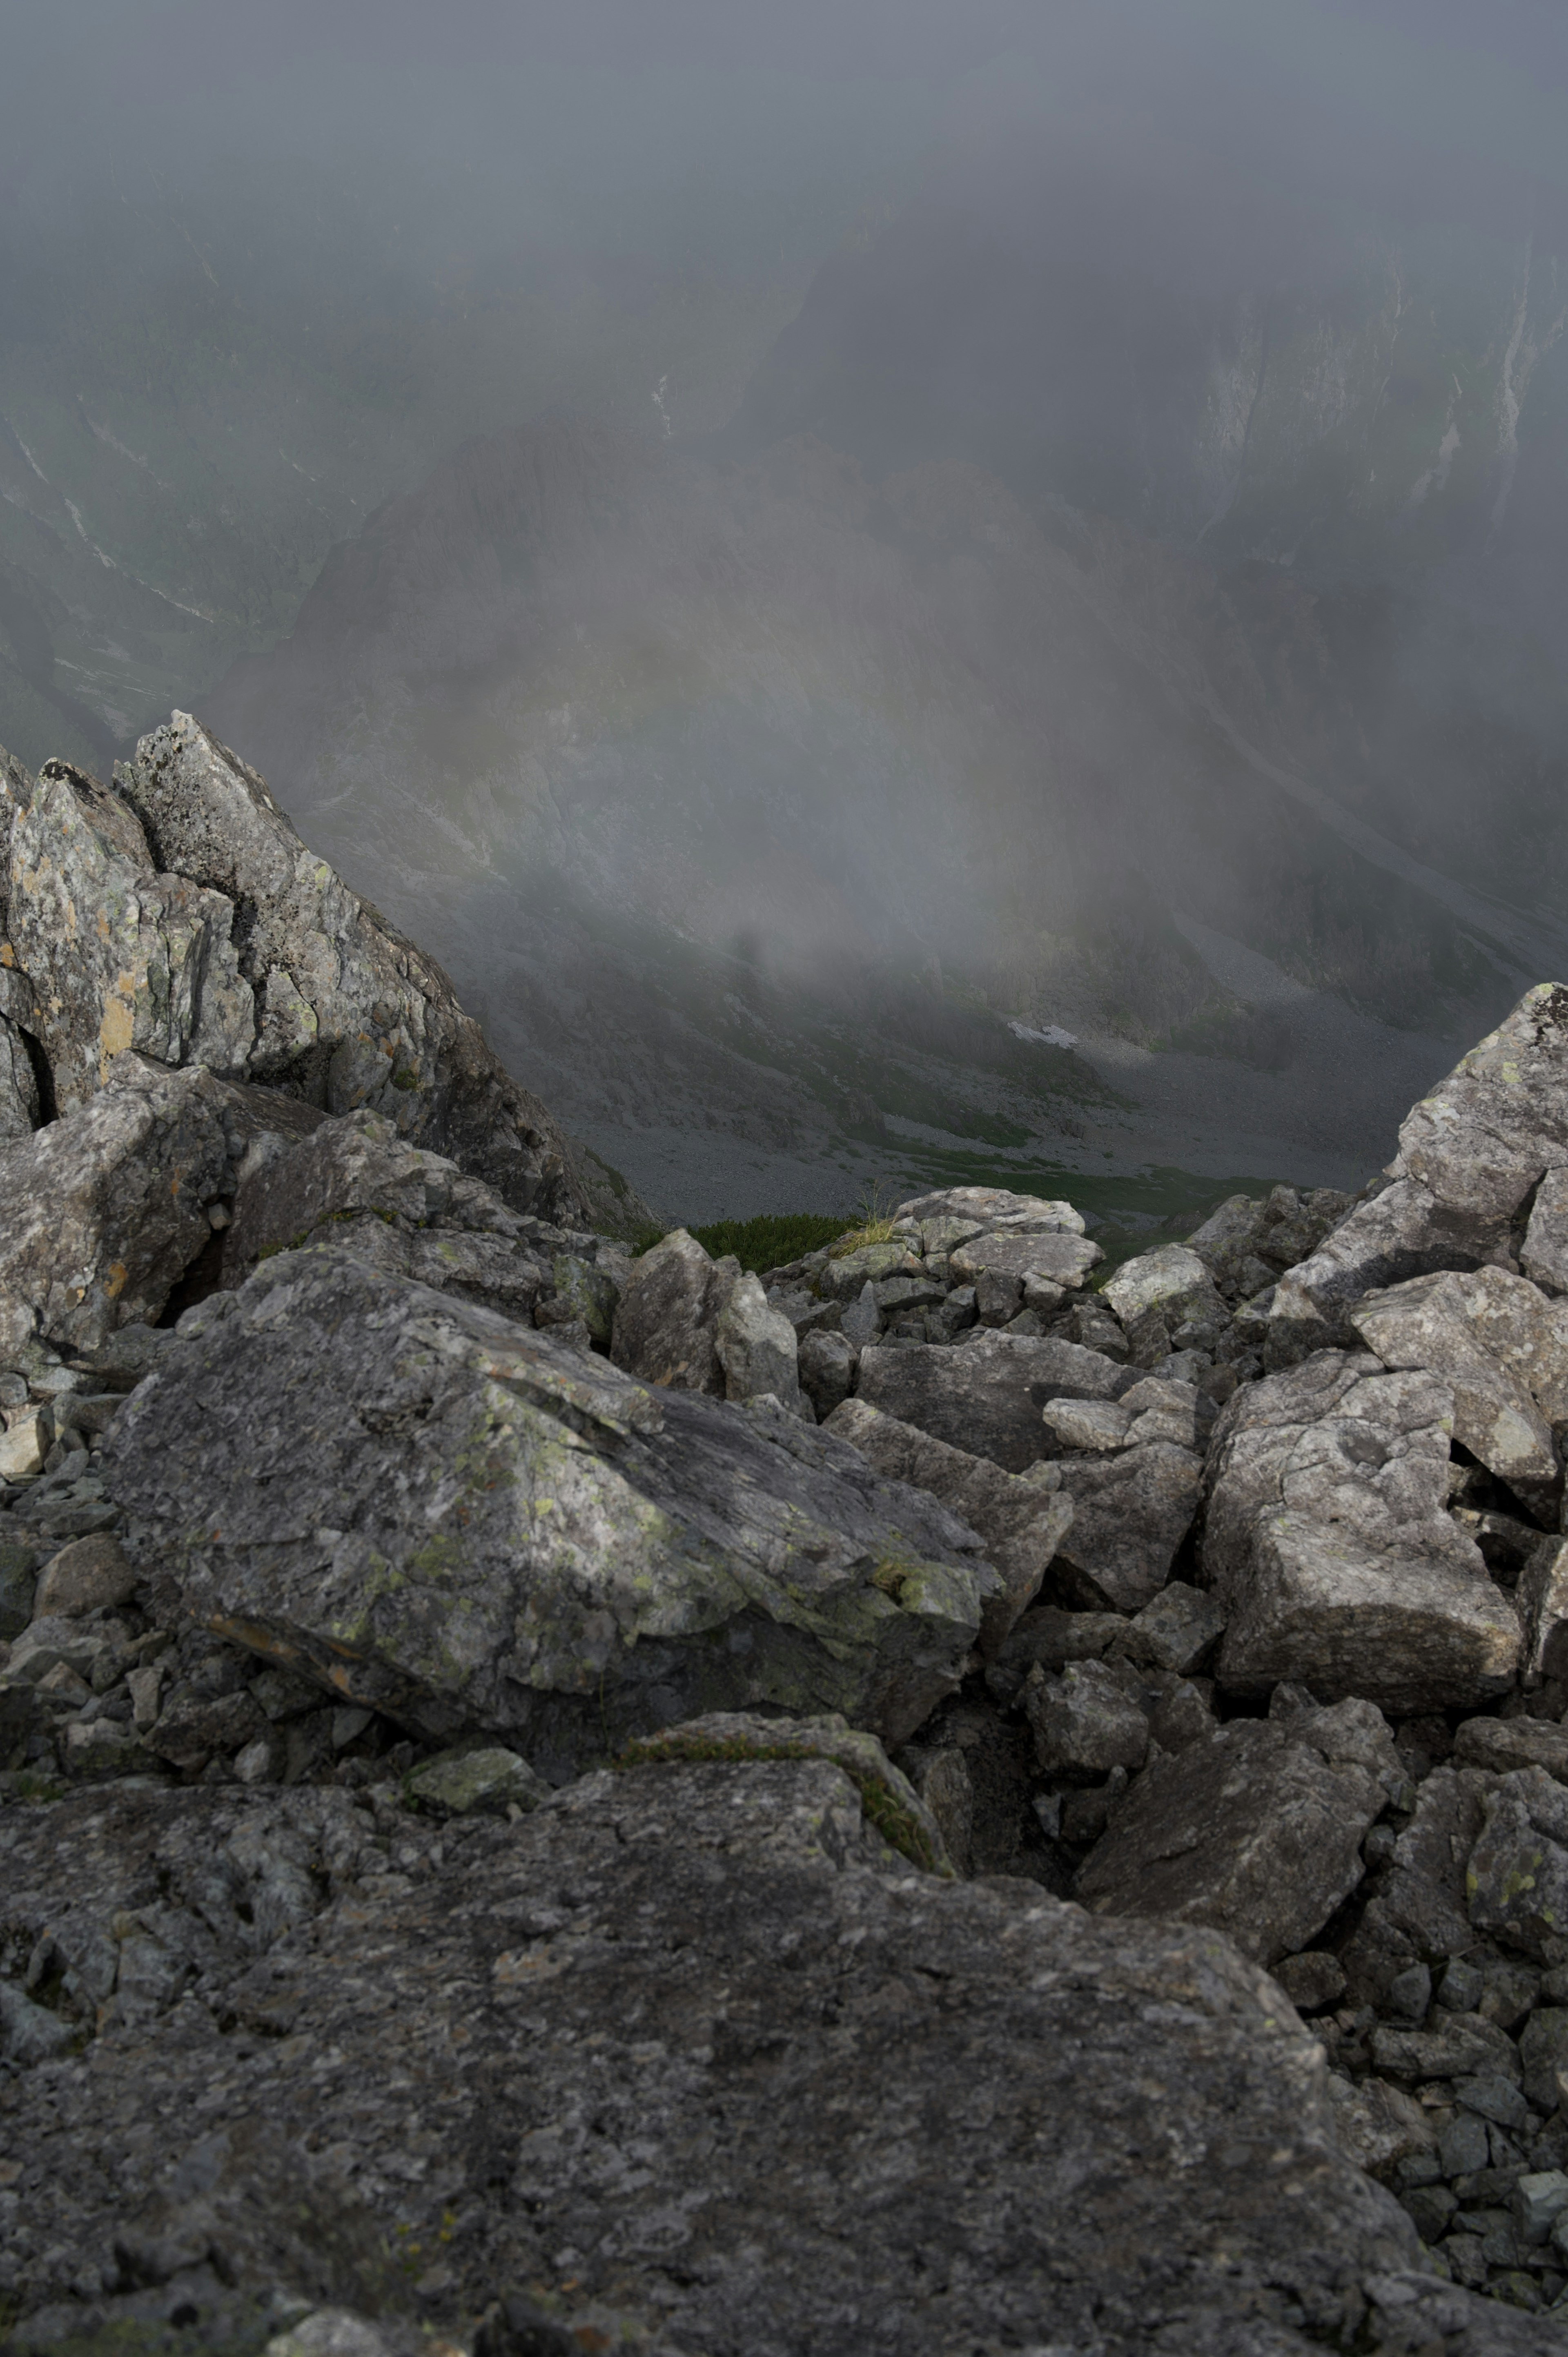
756 1347
987 1396
818 2086
453 1520
1257 1831
1131 1510
1023 1526
996 1210
667 1318
1504 1347
1329 1545
102 1212
1162 1294
1470 1157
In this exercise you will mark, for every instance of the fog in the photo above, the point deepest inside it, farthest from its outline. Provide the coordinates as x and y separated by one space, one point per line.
796 547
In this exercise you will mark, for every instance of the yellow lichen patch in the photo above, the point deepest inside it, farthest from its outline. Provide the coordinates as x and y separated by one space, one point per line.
118 1026
7 955
114 1283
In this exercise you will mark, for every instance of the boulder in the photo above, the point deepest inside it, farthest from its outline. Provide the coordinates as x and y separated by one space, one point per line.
481 1776
355 1163
1542 1601
1543 1255
888 1800
1503 1348
347 1012
1022 1526
666 1321
1087 1721
84 1576
1131 1512
1175 1629
1256 1832
1169 1294
354 1182
992 1208
1026 2127
1327 1543
987 1394
1419 1909
447 1518
1010 1262
102 1212
756 1349
1517 1882
1470 1155
825 1364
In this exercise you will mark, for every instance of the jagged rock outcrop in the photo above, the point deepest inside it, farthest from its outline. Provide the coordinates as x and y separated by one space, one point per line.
472 1528
1471 1157
179 916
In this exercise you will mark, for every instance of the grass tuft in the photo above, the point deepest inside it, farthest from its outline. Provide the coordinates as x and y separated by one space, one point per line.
771 1239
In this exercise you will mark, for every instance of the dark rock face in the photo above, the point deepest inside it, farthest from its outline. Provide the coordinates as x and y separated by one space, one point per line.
816 2086
451 1519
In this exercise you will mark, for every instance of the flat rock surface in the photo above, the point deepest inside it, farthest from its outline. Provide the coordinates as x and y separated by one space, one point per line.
686 2040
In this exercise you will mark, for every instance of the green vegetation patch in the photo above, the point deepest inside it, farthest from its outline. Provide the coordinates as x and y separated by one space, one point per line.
771 1239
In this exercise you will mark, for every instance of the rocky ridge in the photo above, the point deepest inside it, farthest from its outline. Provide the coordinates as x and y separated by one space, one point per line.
570 1800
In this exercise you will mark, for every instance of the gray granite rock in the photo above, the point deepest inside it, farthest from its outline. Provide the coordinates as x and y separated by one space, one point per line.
119 955
1327 1543
825 1361
987 1394
1470 1154
102 1212
924 2042
1255 1832
1503 1348
1086 1721
1022 1527
1517 1880
756 1349
344 1010
666 1320
1131 1512
1171 1284
473 1531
